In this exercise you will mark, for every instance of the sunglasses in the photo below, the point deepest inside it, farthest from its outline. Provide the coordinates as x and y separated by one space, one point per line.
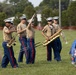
49 20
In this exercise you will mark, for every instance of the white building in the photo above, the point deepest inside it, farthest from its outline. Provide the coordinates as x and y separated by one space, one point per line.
72 0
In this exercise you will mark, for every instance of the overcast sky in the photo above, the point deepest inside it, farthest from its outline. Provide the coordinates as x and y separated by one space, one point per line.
34 2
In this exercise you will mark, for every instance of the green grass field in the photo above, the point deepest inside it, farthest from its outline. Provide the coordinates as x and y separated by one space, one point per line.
42 66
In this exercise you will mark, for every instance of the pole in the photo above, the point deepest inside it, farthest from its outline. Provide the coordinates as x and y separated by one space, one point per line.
60 22
60 13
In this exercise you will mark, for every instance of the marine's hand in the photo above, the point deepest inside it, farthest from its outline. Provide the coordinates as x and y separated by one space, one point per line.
47 38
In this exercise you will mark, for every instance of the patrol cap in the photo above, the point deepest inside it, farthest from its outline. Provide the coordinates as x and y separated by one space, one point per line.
12 22
23 17
49 19
7 21
55 18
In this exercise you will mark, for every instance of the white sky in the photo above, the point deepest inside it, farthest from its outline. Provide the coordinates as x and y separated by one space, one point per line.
34 2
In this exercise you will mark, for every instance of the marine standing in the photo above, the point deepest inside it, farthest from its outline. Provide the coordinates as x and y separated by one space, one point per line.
22 38
8 51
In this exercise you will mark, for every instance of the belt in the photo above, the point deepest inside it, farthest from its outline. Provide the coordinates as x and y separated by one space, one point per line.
23 36
6 41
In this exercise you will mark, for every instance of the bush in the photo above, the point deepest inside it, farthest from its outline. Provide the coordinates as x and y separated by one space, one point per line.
2 17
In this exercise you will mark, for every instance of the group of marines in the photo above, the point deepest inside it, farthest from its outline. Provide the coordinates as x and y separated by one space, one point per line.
26 34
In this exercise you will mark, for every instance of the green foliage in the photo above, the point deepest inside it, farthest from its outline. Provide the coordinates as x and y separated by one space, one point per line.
29 11
14 1
2 17
9 10
16 6
20 6
64 19
1 8
55 12
17 20
69 16
71 13
45 14
51 8
48 13
54 4
47 8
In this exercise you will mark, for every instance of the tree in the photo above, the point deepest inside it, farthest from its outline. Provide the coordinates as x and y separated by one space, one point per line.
20 6
14 2
45 14
8 10
55 12
2 17
17 18
54 4
71 13
1 7
29 11
64 19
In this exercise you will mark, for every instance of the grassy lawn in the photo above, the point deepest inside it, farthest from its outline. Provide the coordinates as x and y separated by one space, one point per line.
41 66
